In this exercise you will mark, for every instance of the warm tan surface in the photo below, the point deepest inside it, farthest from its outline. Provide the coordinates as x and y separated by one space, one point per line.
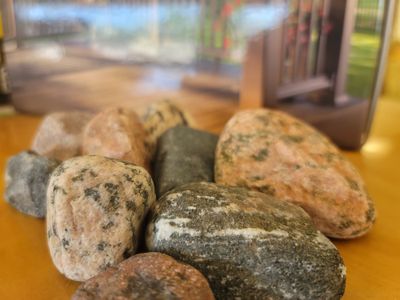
373 262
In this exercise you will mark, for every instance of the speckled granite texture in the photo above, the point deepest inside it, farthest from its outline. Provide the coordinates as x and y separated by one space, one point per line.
161 116
95 210
248 244
272 152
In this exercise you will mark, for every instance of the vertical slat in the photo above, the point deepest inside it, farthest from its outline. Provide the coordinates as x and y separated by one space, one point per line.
292 48
305 39
252 84
321 53
298 44
8 19
272 66
312 44
341 75
387 20
284 78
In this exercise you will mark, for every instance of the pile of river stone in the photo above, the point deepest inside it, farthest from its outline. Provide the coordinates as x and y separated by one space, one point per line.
241 216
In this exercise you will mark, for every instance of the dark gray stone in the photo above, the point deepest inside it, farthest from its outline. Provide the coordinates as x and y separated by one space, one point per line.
248 244
184 155
27 175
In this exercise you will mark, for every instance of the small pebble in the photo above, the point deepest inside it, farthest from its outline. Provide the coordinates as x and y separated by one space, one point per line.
117 133
60 134
27 175
184 155
160 117
147 276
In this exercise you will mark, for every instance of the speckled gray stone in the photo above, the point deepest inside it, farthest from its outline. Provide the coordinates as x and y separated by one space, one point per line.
95 210
248 244
184 155
147 276
27 175
161 116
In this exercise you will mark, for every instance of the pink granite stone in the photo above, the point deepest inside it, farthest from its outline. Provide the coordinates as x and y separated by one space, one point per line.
117 133
147 276
275 153
60 134
96 207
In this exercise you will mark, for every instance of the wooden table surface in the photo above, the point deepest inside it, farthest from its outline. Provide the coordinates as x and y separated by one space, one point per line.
373 261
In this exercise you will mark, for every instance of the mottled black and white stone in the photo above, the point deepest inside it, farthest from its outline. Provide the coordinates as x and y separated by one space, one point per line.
27 175
95 210
184 155
248 244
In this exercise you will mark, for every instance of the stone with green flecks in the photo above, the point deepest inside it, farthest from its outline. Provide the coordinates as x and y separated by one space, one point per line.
274 153
27 175
95 210
184 155
248 244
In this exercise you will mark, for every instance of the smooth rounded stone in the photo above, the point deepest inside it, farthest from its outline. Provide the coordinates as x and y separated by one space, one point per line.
248 244
95 208
60 134
27 175
161 116
184 155
152 276
274 153
117 133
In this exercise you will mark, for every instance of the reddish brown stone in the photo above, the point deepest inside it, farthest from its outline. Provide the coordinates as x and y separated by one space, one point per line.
274 153
60 134
117 133
147 276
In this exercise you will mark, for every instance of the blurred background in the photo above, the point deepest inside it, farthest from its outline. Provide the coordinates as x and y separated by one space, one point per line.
319 59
